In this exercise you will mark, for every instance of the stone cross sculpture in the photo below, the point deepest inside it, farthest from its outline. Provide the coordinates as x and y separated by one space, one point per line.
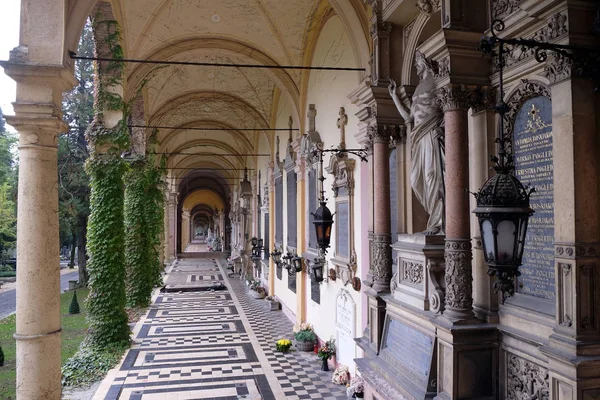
427 138
341 124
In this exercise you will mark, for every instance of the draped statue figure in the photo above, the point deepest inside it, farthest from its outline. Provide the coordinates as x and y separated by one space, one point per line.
427 143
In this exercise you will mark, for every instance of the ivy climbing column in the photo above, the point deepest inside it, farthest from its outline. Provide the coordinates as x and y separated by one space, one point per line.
137 257
143 214
108 137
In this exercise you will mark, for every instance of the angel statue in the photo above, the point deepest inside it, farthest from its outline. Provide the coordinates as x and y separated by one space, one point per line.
427 142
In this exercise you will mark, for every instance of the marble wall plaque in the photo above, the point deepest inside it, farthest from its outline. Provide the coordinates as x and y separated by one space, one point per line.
292 282
346 328
532 147
291 209
279 210
343 229
315 291
312 207
408 349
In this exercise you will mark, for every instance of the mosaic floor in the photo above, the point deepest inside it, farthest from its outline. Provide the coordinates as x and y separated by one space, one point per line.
215 345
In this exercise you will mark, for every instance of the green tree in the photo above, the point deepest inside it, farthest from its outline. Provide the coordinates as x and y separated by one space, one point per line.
8 208
74 189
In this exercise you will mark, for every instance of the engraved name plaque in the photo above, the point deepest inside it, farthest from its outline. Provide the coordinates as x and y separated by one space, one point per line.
343 229
532 147
408 349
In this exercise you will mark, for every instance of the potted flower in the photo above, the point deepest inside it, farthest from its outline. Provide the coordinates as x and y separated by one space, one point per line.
283 345
256 290
356 388
341 375
305 337
325 353
275 305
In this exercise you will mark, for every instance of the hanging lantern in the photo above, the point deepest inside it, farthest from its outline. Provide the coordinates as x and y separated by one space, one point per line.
260 243
317 270
323 220
503 211
254 241
297 263
276 254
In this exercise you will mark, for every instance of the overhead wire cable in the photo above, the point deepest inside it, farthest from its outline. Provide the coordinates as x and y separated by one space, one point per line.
74 56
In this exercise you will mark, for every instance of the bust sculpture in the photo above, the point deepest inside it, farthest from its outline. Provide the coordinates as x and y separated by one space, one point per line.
427 143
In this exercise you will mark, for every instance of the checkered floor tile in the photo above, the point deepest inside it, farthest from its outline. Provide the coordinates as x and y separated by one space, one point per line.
216 345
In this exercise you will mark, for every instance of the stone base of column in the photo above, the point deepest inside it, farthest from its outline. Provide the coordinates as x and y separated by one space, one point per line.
459 283
467 361
38 366
381 259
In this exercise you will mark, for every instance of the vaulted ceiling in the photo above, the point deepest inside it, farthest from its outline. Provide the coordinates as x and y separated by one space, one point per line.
254 32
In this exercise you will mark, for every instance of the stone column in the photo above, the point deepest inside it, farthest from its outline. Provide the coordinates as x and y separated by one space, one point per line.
459 277
573 350
271 180
185 229
172 232
301 277
381 253
38 332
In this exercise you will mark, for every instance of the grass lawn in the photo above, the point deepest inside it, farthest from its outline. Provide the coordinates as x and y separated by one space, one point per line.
73 332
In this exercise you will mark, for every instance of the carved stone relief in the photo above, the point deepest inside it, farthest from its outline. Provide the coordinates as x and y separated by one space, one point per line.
412 272
526 380
381 261
459 276
504 8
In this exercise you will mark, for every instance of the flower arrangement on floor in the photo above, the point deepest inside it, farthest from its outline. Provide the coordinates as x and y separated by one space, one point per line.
283 345
356 388
325 352
305 337
255 286
341 375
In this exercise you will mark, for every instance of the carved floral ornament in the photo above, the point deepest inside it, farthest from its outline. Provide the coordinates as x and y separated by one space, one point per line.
428 6
389 134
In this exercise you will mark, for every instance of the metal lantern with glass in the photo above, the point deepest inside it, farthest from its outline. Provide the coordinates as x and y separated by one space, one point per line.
503 202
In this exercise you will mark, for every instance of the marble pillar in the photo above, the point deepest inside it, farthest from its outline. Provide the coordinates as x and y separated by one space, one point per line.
172 232
455 102
38 331
382 252
185 229
271 180
301 277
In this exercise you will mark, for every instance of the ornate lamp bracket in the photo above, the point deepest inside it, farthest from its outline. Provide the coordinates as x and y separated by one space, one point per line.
584 61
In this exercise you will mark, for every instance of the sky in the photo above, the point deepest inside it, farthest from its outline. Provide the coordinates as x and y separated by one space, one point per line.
9 39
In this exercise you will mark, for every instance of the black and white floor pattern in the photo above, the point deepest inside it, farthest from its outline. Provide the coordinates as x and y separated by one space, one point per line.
216 345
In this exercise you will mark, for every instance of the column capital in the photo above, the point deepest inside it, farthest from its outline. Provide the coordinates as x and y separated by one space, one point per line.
484 99
384 133
456 97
